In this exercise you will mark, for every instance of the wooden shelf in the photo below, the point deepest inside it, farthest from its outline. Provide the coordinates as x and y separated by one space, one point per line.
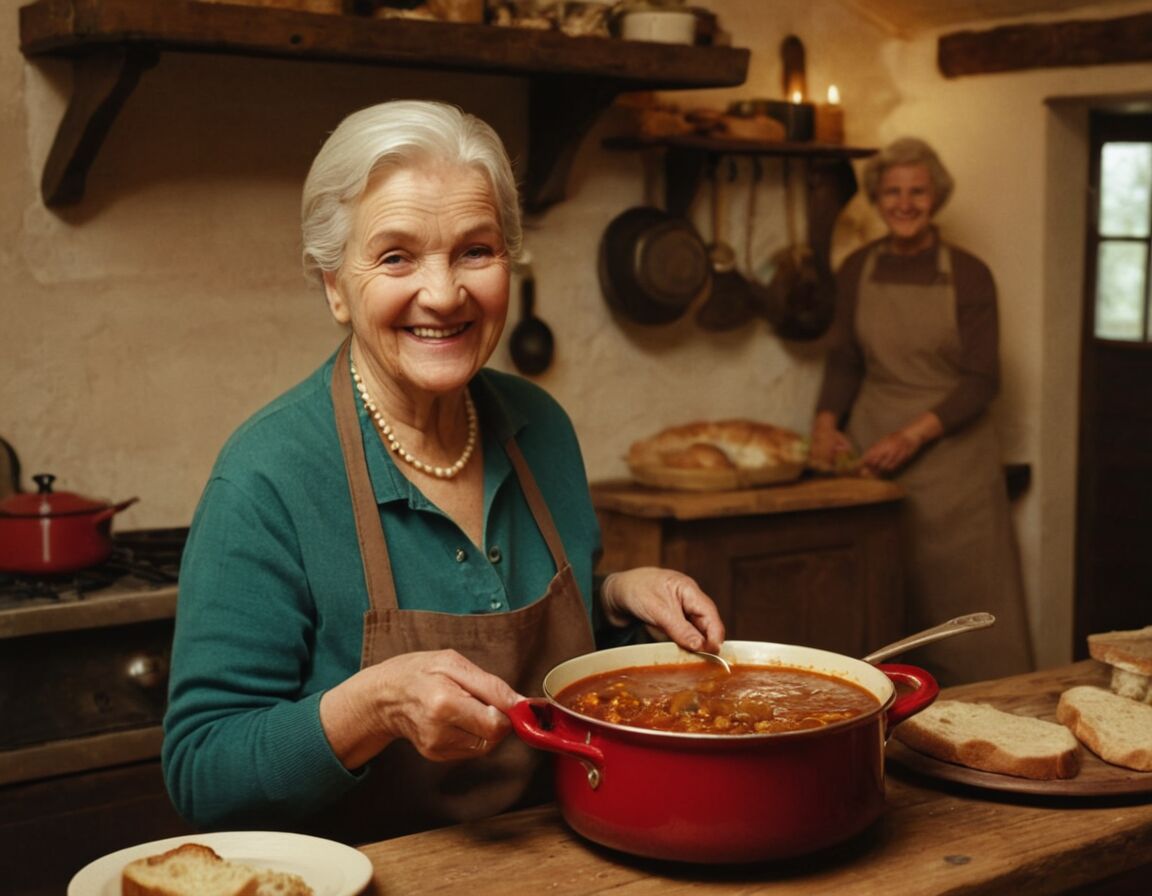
687 157
572 80
721 146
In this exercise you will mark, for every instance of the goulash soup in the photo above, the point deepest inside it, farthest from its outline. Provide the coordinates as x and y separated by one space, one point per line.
701 698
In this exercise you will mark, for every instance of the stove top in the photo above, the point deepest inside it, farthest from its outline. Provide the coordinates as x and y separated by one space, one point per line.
137 582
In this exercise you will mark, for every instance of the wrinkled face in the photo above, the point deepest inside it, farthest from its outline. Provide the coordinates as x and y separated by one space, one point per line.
425 278
906 201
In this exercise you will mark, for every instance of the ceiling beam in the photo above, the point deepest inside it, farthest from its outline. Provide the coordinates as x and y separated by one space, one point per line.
1054 45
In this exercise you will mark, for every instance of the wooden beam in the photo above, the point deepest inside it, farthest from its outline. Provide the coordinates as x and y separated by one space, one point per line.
1053 45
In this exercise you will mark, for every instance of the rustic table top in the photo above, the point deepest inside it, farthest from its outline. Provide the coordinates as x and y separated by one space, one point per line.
935 837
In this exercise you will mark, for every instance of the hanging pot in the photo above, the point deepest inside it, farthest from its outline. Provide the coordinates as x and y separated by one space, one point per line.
47 532
652 265
714 797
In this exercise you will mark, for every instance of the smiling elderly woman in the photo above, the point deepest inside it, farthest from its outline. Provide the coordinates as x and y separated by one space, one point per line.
912 369
390 554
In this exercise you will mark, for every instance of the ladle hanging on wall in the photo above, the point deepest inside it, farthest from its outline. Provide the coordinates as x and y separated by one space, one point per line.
531 343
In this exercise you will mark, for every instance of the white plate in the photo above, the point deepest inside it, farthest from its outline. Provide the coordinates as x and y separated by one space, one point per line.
329 868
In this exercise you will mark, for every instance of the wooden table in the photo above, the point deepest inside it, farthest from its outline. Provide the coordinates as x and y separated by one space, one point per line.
935 838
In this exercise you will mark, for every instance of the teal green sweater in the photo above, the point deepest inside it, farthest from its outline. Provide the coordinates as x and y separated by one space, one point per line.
272 592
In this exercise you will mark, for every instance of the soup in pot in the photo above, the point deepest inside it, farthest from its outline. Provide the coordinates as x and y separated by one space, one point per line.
702 698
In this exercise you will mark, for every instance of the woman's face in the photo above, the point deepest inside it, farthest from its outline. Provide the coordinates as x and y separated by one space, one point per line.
425 277
906 200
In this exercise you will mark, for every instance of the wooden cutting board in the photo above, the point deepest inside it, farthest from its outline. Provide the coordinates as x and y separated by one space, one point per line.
1034 694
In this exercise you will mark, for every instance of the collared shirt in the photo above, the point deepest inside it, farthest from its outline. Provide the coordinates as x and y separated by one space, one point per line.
272 593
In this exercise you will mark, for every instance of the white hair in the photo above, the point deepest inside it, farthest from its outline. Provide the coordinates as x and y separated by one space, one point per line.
908 151
393 135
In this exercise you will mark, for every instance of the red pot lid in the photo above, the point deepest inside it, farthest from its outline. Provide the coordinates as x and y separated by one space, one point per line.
46 502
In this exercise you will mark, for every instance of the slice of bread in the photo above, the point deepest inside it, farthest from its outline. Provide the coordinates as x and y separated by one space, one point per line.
1115 728
1131 684
982 737
1128 650
193 869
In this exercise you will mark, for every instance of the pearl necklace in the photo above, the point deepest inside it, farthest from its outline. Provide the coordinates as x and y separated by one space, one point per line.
394 443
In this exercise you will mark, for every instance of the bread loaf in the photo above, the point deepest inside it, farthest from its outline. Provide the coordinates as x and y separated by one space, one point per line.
982 737
1115 728
1129 653
193 869
718 454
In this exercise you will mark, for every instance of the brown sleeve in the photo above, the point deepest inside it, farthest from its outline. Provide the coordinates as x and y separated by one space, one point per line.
844 363
979 361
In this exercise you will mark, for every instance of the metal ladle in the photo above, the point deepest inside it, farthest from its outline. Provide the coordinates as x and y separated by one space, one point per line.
715 658
943 630
531 342
966 623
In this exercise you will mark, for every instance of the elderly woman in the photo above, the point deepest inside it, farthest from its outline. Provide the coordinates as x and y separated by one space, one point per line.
912 369
388 555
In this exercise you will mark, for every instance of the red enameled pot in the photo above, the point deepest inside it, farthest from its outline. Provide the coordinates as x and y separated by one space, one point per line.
47 532
721 798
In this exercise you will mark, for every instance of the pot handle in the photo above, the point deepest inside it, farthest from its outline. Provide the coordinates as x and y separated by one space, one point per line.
924 691
530 720
108 512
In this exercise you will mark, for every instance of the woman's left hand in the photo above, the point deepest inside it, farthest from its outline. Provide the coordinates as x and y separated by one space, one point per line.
890 453
667 600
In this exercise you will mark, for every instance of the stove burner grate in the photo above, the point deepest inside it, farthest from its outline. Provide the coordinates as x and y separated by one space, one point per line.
140 560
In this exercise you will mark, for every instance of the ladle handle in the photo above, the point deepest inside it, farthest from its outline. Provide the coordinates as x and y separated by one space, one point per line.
944 630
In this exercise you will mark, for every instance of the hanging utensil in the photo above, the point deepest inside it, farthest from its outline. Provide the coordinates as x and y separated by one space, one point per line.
730 304
531 343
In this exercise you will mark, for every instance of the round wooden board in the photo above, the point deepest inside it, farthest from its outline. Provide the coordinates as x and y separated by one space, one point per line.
1034 695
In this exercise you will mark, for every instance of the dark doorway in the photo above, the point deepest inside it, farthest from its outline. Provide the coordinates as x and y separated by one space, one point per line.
1114 486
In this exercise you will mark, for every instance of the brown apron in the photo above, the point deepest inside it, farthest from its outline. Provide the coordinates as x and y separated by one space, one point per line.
404 792
960 546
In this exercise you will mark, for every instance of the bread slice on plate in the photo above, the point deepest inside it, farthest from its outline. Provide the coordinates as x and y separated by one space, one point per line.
1115 728
983 737
1129 653
193 869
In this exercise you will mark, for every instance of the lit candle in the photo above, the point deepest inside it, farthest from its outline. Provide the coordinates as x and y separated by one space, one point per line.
830 119
797 97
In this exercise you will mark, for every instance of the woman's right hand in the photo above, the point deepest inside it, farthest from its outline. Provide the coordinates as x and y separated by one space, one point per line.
826 443
445 705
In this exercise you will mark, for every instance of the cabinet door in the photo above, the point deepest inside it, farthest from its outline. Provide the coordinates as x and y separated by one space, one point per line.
826 579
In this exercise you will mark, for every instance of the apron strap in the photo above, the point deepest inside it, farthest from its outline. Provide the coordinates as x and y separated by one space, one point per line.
373 548
537 504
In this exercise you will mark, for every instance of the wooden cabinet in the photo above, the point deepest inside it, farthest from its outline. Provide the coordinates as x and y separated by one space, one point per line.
816 563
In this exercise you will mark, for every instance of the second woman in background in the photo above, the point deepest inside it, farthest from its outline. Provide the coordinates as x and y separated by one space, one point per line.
913 368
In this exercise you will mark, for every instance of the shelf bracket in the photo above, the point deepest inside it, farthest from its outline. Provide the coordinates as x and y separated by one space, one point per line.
561 113
102 80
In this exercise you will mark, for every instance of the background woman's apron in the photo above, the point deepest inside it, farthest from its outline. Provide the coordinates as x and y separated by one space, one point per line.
404 792
960 547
